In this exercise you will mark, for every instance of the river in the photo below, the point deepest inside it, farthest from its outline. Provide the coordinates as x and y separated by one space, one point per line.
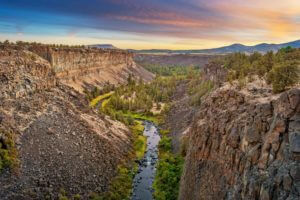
142 188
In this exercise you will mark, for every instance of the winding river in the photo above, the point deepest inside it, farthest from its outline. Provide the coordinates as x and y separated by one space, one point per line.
142 188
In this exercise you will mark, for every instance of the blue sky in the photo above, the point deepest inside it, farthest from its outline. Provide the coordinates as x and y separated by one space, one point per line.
174 24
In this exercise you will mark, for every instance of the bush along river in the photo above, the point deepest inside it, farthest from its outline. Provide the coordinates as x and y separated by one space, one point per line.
142 184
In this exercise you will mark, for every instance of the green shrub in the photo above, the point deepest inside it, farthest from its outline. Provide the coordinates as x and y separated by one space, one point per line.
121 185
8 151
165 144
164 132
283 75
77 197
62 195
171 70
130 120
169 169
167 178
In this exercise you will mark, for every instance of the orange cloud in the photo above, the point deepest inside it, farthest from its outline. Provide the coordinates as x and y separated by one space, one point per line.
172 22
274 20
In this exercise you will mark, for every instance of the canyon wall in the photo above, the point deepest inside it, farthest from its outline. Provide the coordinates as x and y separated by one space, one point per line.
83 67
61 144
244 144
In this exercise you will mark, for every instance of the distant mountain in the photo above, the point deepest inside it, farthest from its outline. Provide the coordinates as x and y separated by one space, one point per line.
263 48
103 46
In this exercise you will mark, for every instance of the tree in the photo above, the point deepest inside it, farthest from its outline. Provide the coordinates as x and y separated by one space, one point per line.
130 80
286 49
284 75
6 42
268 61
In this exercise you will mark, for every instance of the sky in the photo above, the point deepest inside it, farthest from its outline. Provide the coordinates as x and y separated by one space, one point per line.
149 24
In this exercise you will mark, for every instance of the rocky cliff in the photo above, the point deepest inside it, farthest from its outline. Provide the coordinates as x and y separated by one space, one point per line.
84 67
61 143
244 144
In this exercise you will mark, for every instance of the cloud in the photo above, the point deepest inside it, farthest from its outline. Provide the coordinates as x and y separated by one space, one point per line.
273 17
191 20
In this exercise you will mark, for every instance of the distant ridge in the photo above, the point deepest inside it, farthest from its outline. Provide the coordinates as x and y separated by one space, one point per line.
103 46
263 48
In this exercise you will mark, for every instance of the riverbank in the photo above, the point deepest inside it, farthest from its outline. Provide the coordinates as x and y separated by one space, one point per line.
121 185
169 170
142 184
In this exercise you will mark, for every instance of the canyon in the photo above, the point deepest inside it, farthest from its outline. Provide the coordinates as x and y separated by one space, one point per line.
241 143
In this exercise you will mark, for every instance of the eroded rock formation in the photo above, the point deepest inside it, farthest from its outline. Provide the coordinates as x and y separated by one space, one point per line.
244 144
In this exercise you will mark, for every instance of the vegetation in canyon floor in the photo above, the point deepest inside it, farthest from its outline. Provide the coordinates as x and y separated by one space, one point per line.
164 70
137 101
131 104
169 170
96 100
121 185
140 144
96 94
8 151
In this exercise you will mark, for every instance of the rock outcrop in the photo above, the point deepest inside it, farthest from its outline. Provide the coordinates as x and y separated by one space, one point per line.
244 144
215 73
61 143
84 67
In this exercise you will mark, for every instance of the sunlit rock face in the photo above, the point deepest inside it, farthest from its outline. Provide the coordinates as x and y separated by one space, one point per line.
83 67
244 144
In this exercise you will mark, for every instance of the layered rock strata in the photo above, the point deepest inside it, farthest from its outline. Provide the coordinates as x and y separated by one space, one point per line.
81 67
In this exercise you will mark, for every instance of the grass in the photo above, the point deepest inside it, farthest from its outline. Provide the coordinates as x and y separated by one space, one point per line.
138 128
140 116
96 100
140 144
104 103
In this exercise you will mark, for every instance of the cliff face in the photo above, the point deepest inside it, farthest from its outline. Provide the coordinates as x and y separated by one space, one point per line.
244 144
21 75
81 67
61 144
